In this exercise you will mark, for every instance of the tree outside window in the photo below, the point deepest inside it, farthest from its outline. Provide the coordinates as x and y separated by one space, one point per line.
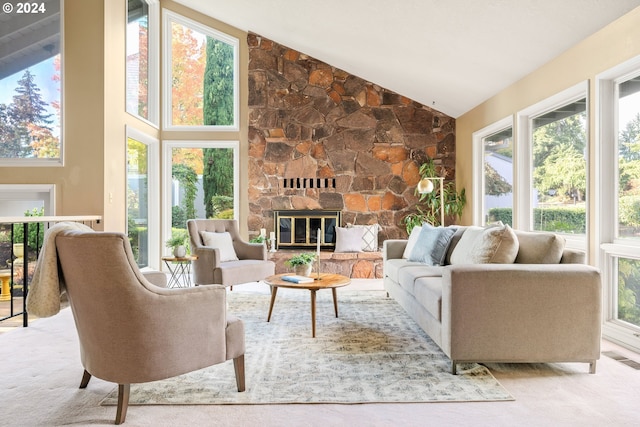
203 77
560 169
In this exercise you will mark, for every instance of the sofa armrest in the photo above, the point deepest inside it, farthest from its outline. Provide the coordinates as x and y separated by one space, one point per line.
208 260
247 250
393 249
155 277
571 256
521 312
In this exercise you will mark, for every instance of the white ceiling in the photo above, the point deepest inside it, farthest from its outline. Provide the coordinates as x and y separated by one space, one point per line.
448 54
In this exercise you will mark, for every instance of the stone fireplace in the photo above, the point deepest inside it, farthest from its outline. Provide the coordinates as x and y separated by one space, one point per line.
298 229
323 139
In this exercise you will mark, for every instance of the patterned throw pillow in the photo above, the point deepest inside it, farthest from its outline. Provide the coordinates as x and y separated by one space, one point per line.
369 237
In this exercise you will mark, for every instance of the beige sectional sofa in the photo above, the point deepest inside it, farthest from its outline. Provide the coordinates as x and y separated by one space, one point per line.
500 296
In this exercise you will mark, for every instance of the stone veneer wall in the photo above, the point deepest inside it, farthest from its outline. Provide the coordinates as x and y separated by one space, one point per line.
308 119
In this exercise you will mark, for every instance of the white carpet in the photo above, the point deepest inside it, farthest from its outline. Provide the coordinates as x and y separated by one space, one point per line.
40 373
372 353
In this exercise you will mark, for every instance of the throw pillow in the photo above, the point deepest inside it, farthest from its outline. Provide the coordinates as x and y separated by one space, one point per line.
369 237
461 252
411 242
349 239
497 245
432 244
539 248
220 241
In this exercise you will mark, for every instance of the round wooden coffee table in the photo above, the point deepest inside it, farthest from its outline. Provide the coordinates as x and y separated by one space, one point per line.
326 281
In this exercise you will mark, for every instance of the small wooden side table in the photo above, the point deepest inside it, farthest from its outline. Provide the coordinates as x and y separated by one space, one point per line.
180 269
326 281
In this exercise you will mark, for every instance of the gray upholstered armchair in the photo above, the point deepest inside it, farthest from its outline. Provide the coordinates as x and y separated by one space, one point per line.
223 257
131 331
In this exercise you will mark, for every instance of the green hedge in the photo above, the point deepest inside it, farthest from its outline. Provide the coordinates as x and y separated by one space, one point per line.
559 220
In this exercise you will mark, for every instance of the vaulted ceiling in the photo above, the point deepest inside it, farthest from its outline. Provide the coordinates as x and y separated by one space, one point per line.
451 55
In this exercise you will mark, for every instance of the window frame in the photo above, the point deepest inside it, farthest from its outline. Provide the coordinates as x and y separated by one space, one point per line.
48 162
612 247
153 182
167 159
153 67
168 18
523 179
478 153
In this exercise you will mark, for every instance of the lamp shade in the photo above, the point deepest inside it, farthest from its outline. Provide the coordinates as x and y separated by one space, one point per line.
425 186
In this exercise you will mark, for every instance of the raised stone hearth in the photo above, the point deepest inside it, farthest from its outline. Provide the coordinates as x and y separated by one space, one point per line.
321 138
360 265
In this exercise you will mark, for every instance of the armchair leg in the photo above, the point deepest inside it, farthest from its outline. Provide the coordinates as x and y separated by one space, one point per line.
85 379
238 365
123 403
453 367
592 367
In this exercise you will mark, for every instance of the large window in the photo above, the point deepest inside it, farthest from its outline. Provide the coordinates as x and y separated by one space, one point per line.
628 206
559 148
200 182
201 83
498 176
620 201
629 159
142 52
142 190
30 98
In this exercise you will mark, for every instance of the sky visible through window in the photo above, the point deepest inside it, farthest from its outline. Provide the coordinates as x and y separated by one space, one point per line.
49 89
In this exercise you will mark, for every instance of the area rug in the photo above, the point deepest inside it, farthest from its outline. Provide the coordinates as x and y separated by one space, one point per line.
373 352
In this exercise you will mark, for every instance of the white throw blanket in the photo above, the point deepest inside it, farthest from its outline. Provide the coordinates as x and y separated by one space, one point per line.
43 299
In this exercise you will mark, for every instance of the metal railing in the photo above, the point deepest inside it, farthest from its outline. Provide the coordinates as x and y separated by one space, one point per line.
15 272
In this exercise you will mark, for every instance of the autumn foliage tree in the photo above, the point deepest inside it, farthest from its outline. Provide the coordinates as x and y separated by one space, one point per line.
187 68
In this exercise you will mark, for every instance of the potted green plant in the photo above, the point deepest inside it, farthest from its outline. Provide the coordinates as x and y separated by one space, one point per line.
428 206
178 243
302 263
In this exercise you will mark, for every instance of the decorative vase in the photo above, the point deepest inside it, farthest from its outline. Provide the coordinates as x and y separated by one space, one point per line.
303 270
18 252
180 251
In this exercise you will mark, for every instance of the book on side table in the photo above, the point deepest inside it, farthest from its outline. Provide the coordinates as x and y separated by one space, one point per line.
297 279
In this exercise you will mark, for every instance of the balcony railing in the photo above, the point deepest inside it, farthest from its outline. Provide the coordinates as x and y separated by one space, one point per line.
20 244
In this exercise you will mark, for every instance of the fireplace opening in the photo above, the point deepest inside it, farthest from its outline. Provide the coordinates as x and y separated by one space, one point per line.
298 229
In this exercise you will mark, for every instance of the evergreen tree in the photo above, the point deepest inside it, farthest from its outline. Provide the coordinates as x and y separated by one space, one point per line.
218 110
28 106
218 84
9 143
25 121
217 178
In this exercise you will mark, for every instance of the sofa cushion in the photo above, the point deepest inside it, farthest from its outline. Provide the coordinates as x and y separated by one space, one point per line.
432 244
428 292
408 275
221 241
411 242
494 243
539 248
392 267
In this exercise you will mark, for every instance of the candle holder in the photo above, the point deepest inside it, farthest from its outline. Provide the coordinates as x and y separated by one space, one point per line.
318 269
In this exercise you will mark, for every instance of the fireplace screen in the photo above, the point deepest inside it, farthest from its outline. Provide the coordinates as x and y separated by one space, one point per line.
298 229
